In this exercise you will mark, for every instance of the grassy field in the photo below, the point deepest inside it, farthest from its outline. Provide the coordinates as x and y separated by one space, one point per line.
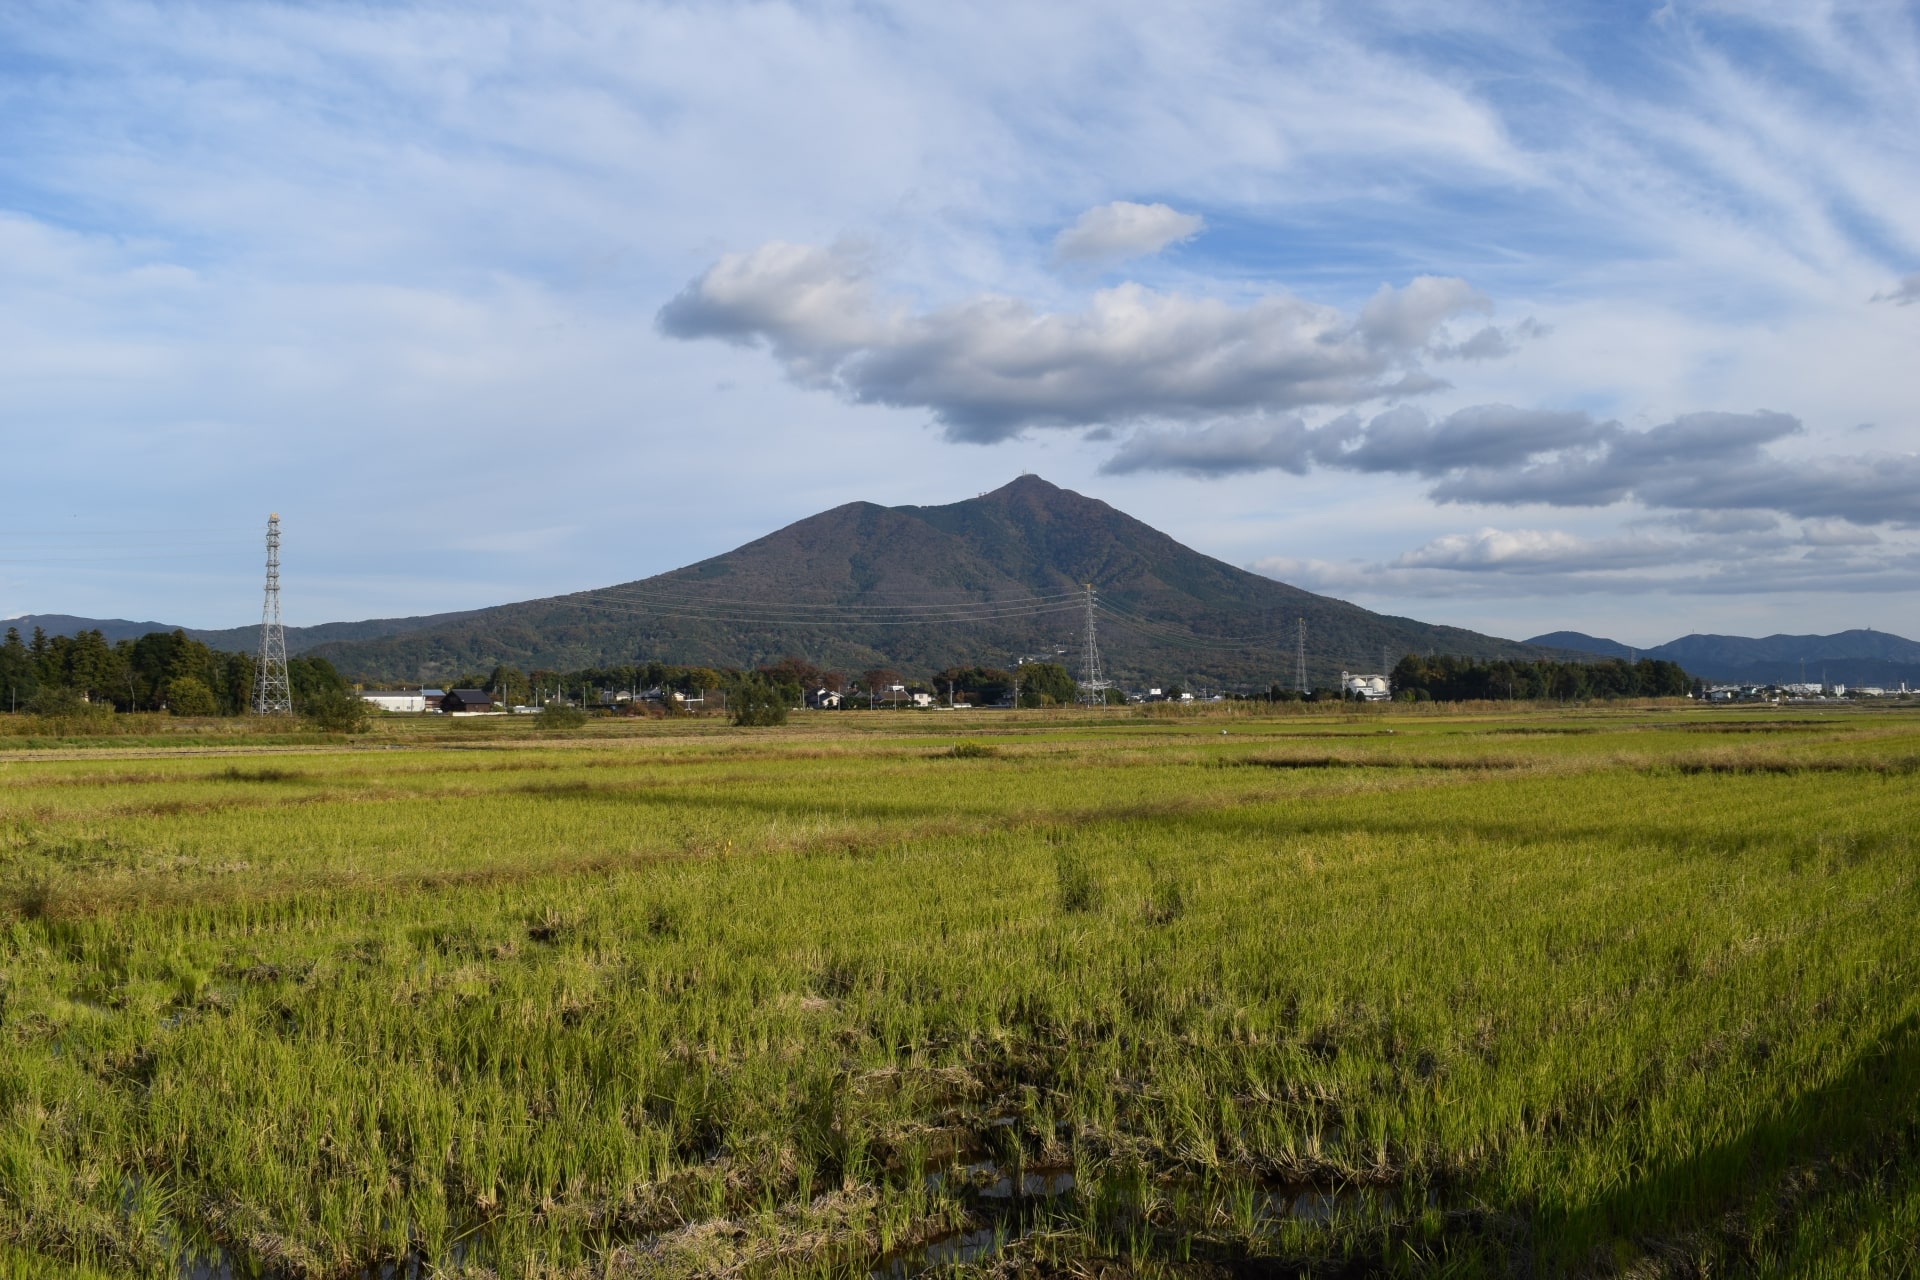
1626 992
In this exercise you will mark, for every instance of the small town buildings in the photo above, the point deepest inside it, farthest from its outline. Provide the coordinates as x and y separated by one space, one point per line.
824 700
465 701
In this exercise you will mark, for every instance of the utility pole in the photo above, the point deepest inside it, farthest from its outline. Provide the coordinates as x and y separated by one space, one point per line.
272 693
1016 684
1095 687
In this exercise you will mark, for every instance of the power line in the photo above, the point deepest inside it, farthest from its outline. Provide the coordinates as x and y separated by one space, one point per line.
780 615
673 595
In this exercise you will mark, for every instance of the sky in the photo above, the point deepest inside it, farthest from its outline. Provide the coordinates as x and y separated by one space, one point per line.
1519 317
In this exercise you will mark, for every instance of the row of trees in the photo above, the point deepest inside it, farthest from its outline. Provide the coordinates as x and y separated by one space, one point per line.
171 671
161 671
1450 679
1443 678
791 679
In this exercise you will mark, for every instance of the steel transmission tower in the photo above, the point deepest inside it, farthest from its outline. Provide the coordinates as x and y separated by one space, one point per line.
1300 659
272 695
1093 687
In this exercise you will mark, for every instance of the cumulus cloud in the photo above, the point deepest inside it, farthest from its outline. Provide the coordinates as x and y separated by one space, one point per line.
1409 317
1907 291
1622 463
1121 230
1538 551
1404 439
1503 456
811 305
991 367
1524 563
1705 461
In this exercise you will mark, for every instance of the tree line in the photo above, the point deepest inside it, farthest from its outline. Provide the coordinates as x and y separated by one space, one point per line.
160 671
171 671
1450 679
790 678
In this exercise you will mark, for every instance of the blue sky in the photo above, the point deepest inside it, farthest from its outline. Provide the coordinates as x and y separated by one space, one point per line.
1513 316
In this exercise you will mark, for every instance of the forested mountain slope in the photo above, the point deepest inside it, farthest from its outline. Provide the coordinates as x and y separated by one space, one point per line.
921 588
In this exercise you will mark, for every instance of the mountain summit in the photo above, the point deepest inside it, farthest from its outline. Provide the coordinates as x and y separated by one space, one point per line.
982 581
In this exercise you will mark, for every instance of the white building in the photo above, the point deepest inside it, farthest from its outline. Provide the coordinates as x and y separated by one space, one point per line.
396 699
1372 688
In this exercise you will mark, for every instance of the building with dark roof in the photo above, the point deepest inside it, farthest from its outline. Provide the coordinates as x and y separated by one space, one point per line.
457 700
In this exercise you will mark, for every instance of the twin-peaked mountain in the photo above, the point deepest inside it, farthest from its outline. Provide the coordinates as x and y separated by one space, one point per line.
918 589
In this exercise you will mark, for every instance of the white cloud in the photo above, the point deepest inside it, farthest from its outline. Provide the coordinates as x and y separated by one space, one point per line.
1536 551
991 367
1409 317
1121 230
1818 559
1497 455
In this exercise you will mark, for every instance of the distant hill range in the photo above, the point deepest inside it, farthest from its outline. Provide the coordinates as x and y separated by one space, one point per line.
230 639
916 589
1847 657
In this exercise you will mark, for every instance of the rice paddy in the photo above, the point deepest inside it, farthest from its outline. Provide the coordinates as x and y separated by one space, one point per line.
1595 992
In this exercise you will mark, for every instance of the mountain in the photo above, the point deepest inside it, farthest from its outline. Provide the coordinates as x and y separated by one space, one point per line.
1842 646
64 624
922 588
243 639
1580 642
1846 657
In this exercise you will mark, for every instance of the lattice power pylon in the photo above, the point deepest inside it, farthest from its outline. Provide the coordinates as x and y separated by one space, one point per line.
272 694
1092 688
1300 660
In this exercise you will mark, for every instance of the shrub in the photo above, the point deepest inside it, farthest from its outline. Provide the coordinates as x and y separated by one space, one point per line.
757 702
335 711
556 715
190 696
57 701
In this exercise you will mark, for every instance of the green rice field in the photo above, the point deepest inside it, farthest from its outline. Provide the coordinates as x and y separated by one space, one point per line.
1421 992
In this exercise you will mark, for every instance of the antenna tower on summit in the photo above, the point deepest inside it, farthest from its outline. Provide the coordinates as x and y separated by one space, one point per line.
1092 688
1300 660
272 694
